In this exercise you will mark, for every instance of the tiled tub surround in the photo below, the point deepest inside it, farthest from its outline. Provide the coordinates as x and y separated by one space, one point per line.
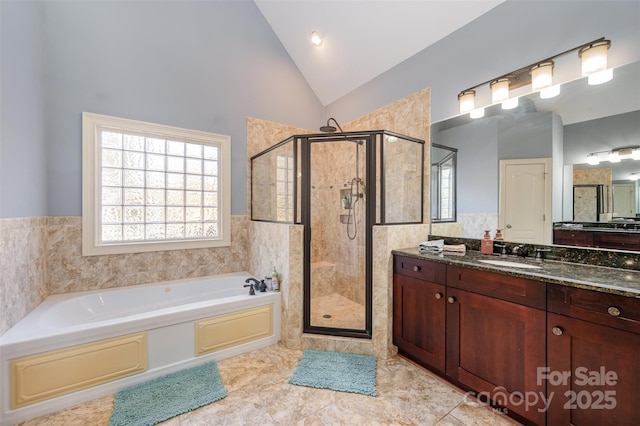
622 282
23 268
90 344
43 256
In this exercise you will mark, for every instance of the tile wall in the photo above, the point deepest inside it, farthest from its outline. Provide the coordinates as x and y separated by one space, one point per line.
23 268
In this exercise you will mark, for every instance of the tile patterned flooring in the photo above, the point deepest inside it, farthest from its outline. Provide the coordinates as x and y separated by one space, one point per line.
258 394
344 312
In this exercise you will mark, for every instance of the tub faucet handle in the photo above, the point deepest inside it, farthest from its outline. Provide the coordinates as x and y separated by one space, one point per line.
252 292
256 283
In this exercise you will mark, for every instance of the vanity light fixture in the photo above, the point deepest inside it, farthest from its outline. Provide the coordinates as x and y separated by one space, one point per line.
540 76
615 155
467 101
316 38
634 176
593 159
499 90
594 61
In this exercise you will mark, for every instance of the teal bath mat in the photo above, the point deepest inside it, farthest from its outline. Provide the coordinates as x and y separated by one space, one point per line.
159 399
337 371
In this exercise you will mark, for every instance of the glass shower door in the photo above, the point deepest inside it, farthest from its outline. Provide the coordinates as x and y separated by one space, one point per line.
338 237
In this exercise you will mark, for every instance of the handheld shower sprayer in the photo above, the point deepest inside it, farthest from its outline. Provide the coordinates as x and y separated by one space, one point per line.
329 128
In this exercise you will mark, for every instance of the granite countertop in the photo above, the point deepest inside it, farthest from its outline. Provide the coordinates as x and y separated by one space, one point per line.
608 280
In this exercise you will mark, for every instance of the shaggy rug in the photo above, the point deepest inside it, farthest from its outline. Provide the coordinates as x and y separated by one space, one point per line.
337 371
159 399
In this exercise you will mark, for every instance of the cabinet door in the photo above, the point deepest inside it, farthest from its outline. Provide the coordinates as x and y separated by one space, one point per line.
495 347
594 372
418 320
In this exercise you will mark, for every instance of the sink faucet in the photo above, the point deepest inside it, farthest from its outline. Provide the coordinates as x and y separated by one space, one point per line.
520 250
540 253
503 252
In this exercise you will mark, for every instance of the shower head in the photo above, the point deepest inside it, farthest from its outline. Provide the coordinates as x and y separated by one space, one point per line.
329 128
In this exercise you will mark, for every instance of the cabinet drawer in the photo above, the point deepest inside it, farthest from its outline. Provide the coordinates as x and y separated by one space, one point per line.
617 240
421 269
573 238
512 289
603 308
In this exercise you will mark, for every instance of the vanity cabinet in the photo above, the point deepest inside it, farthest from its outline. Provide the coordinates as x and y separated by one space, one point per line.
419 310
593 357
573 238
496 337
600 239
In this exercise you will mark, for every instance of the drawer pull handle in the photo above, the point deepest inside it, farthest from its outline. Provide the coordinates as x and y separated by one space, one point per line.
613 311
557 331
451 299
438 296
416 268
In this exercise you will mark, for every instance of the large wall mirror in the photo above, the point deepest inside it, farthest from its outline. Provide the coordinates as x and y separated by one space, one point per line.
559 132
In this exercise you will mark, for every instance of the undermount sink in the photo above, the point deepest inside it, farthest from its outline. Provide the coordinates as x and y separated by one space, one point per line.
509 264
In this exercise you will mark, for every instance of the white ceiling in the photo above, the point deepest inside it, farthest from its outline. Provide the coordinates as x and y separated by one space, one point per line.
362 38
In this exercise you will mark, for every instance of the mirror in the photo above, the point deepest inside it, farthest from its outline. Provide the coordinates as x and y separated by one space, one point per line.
583 119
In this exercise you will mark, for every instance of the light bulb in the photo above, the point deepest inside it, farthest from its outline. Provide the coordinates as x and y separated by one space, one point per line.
510 103
593 159
499 90
467 101
594 57
542 76
614 157
550 92
600 77
477 113
316 39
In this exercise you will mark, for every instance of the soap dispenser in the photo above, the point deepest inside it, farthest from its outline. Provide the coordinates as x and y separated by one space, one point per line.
486 244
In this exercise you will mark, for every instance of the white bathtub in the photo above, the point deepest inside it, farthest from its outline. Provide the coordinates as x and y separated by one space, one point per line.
166 313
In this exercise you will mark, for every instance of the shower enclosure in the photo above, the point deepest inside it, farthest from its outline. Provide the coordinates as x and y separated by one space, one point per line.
339 186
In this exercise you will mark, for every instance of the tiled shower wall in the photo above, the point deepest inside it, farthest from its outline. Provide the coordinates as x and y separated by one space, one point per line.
338 262
42 256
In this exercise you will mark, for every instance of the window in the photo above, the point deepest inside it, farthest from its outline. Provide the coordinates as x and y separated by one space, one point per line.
149 187
443 183
284 188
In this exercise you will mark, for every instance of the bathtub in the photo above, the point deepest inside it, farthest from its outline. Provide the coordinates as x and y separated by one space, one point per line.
148 330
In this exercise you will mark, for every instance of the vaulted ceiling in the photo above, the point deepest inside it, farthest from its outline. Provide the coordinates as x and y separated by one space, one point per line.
362 38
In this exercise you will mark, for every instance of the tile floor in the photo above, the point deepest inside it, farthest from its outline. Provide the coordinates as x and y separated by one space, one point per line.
344 312
258 394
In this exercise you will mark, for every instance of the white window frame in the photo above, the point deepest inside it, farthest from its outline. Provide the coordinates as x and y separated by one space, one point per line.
91 202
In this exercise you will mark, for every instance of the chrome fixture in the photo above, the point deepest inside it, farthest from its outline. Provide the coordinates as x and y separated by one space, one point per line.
540 76
329 128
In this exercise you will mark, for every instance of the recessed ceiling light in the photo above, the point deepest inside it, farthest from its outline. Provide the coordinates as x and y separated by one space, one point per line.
316 38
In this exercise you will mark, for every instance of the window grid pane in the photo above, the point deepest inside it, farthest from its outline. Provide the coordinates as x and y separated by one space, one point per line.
157 189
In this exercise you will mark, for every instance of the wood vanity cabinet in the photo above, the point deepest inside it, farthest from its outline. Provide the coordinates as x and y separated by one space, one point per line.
419 311
496 337
593 357
573 238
